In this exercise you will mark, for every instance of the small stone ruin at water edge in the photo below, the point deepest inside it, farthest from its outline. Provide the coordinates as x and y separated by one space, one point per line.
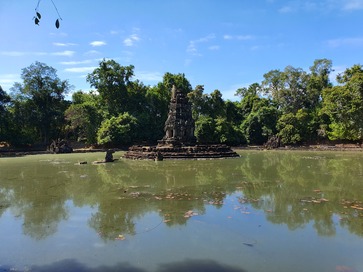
179 141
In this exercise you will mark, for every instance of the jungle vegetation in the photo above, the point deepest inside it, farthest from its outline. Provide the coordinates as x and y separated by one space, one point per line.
300 107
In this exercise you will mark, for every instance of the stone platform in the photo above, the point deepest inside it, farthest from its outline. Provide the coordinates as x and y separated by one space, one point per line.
158 152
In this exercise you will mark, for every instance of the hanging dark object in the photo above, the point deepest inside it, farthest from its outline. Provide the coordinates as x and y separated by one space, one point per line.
38 16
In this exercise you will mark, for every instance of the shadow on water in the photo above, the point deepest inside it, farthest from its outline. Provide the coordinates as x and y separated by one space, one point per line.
190 265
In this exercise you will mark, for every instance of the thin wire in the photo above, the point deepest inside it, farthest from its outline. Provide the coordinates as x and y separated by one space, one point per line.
56 10
37 5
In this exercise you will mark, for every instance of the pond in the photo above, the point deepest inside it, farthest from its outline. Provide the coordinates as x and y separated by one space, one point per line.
265 211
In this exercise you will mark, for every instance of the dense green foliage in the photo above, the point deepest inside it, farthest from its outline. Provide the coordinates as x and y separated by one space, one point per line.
297 106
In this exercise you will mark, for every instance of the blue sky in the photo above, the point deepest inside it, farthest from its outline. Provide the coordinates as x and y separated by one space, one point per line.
222 45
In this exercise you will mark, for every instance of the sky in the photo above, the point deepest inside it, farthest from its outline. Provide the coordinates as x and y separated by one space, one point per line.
221 44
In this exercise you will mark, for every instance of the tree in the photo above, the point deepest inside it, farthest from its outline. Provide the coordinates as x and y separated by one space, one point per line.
120 130
40 98
205 128
259 115
111 81
344 105
4 115
179 80
84 117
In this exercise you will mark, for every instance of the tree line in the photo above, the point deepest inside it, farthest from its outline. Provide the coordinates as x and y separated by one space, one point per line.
296 106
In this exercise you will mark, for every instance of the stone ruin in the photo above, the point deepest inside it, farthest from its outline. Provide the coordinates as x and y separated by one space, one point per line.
60 146
179 141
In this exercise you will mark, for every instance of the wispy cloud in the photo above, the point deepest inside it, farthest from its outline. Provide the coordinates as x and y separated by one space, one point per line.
351 5
322 5
214 47
21 53
238 37
130 40
66 53
92 52
297 5
97 43
149 76
75 62
357 41
87 69
193 45
63 44
8 80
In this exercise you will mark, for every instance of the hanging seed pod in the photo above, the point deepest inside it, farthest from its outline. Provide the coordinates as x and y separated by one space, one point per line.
57 23
36 21
39 16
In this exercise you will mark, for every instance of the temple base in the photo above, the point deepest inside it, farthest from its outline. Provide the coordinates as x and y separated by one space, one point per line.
170 151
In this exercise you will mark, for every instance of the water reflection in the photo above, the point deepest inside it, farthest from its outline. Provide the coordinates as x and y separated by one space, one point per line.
291 188
187 265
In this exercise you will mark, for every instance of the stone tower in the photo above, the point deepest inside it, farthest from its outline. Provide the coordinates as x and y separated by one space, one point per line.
179 126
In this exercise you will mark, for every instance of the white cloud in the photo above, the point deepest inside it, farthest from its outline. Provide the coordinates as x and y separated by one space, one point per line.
130 40
63 44
193 45
66 53
358 41
214 47
87 69
21 53
149 76
8 80
238 37
351 5
322 5
75 62
98 43
92 52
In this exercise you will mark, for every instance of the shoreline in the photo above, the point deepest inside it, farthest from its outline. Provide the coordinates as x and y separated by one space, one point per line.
6 153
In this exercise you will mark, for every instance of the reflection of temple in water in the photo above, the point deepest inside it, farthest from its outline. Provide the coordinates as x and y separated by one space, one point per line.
179 141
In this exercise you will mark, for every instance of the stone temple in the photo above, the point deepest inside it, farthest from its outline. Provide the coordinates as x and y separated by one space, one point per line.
179 141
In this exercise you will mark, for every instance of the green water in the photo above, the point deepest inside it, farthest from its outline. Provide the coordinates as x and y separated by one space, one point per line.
265 211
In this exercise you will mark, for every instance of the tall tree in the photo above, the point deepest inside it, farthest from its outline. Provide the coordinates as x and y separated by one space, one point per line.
111 80
344 105
4 116
179 80
84 117
41 98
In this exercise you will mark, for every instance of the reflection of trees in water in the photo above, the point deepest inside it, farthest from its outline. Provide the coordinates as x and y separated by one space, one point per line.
38 198
305 187
288 186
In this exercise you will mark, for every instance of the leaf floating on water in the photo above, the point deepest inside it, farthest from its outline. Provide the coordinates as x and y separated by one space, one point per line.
248 244
120 237
356 207
190 214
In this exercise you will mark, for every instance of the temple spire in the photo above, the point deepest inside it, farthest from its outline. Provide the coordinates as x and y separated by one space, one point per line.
179 126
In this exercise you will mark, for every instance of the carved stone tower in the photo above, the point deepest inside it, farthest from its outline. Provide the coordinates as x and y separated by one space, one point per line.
179 127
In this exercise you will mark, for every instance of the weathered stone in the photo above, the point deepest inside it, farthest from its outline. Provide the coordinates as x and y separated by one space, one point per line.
179 141
60 146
